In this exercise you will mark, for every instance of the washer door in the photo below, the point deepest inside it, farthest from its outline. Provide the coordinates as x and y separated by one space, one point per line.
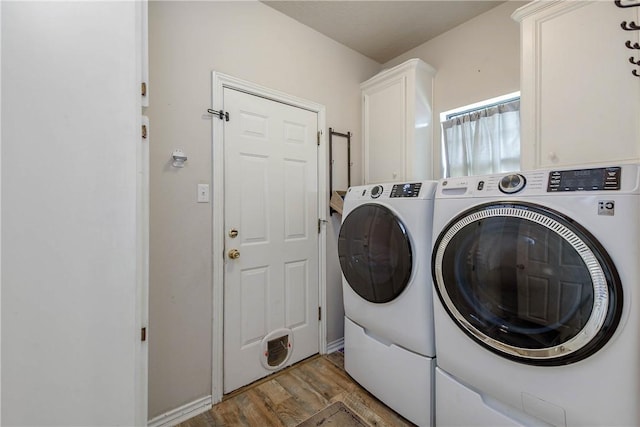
528 283
375 253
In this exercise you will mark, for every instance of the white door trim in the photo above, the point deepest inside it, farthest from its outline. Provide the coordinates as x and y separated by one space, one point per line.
142 213
220 81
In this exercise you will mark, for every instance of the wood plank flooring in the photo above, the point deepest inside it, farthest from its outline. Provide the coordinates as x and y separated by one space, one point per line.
296 393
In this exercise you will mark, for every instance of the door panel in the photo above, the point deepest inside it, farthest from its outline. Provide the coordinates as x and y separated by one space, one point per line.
271 199
295 199
254 211
254 292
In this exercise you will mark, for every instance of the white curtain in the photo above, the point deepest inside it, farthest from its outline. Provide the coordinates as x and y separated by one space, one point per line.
482 141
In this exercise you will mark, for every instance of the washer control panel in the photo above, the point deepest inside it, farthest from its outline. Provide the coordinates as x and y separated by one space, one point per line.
559 181
406 190
585 179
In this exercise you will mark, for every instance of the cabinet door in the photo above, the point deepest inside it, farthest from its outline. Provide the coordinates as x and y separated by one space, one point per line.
581 104
385 131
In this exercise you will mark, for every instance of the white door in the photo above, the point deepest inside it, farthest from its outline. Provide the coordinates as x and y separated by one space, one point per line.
270 217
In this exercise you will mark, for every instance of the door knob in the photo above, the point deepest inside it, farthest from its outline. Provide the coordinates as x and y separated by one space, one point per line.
234 254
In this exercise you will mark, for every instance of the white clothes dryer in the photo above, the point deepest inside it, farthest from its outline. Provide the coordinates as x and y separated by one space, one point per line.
384 249
537 314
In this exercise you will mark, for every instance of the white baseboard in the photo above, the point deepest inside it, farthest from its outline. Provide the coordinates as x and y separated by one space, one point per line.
335 345
182 413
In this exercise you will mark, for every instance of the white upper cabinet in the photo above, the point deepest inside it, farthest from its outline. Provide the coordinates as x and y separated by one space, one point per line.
580 102
397 123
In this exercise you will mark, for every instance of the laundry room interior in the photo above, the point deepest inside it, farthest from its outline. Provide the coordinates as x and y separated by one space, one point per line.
390 257
254 42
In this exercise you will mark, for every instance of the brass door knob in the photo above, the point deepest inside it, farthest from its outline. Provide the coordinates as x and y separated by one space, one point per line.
234 254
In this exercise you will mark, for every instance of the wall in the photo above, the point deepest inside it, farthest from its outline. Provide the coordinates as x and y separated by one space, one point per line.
253 42
0 216
70 135
477 60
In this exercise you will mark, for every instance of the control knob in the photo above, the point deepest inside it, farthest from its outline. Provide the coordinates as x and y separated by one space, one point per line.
513 183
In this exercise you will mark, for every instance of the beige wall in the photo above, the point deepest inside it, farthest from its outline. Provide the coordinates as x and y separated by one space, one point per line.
477 60
253 42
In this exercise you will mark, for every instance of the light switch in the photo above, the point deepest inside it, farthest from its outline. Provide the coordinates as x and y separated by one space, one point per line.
203 193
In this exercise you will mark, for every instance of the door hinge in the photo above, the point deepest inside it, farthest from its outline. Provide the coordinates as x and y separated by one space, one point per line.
319 314
143 334
143 89
221 114
319 133
144 131
320 221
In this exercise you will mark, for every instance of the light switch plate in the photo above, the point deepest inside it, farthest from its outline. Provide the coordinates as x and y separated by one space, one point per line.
203 193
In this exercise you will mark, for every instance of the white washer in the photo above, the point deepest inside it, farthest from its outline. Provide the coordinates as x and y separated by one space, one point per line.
384 249
538 309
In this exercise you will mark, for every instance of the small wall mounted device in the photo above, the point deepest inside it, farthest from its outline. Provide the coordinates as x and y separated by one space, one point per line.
179 158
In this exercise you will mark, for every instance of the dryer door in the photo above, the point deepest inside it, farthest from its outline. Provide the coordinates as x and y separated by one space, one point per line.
528 283
375 253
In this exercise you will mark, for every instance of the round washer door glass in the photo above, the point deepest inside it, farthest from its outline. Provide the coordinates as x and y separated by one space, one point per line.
527 283
375 253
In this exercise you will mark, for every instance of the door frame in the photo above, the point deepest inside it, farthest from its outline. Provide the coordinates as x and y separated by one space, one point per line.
219 83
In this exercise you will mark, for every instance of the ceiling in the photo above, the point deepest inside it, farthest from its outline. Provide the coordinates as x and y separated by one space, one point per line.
382 30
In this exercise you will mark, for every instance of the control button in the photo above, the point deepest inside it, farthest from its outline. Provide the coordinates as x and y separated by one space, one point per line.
513 183
376 191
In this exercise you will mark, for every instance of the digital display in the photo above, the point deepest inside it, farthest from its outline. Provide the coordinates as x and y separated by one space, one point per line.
406 190
585 180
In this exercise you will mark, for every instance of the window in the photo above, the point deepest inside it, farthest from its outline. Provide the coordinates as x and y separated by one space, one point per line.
482 138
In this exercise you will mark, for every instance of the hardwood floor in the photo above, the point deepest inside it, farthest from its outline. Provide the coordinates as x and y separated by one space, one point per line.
296 393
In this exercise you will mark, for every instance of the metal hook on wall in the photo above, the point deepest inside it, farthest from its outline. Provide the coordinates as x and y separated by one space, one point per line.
222 115
633 60
633 4
632 46
635 73
631 26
